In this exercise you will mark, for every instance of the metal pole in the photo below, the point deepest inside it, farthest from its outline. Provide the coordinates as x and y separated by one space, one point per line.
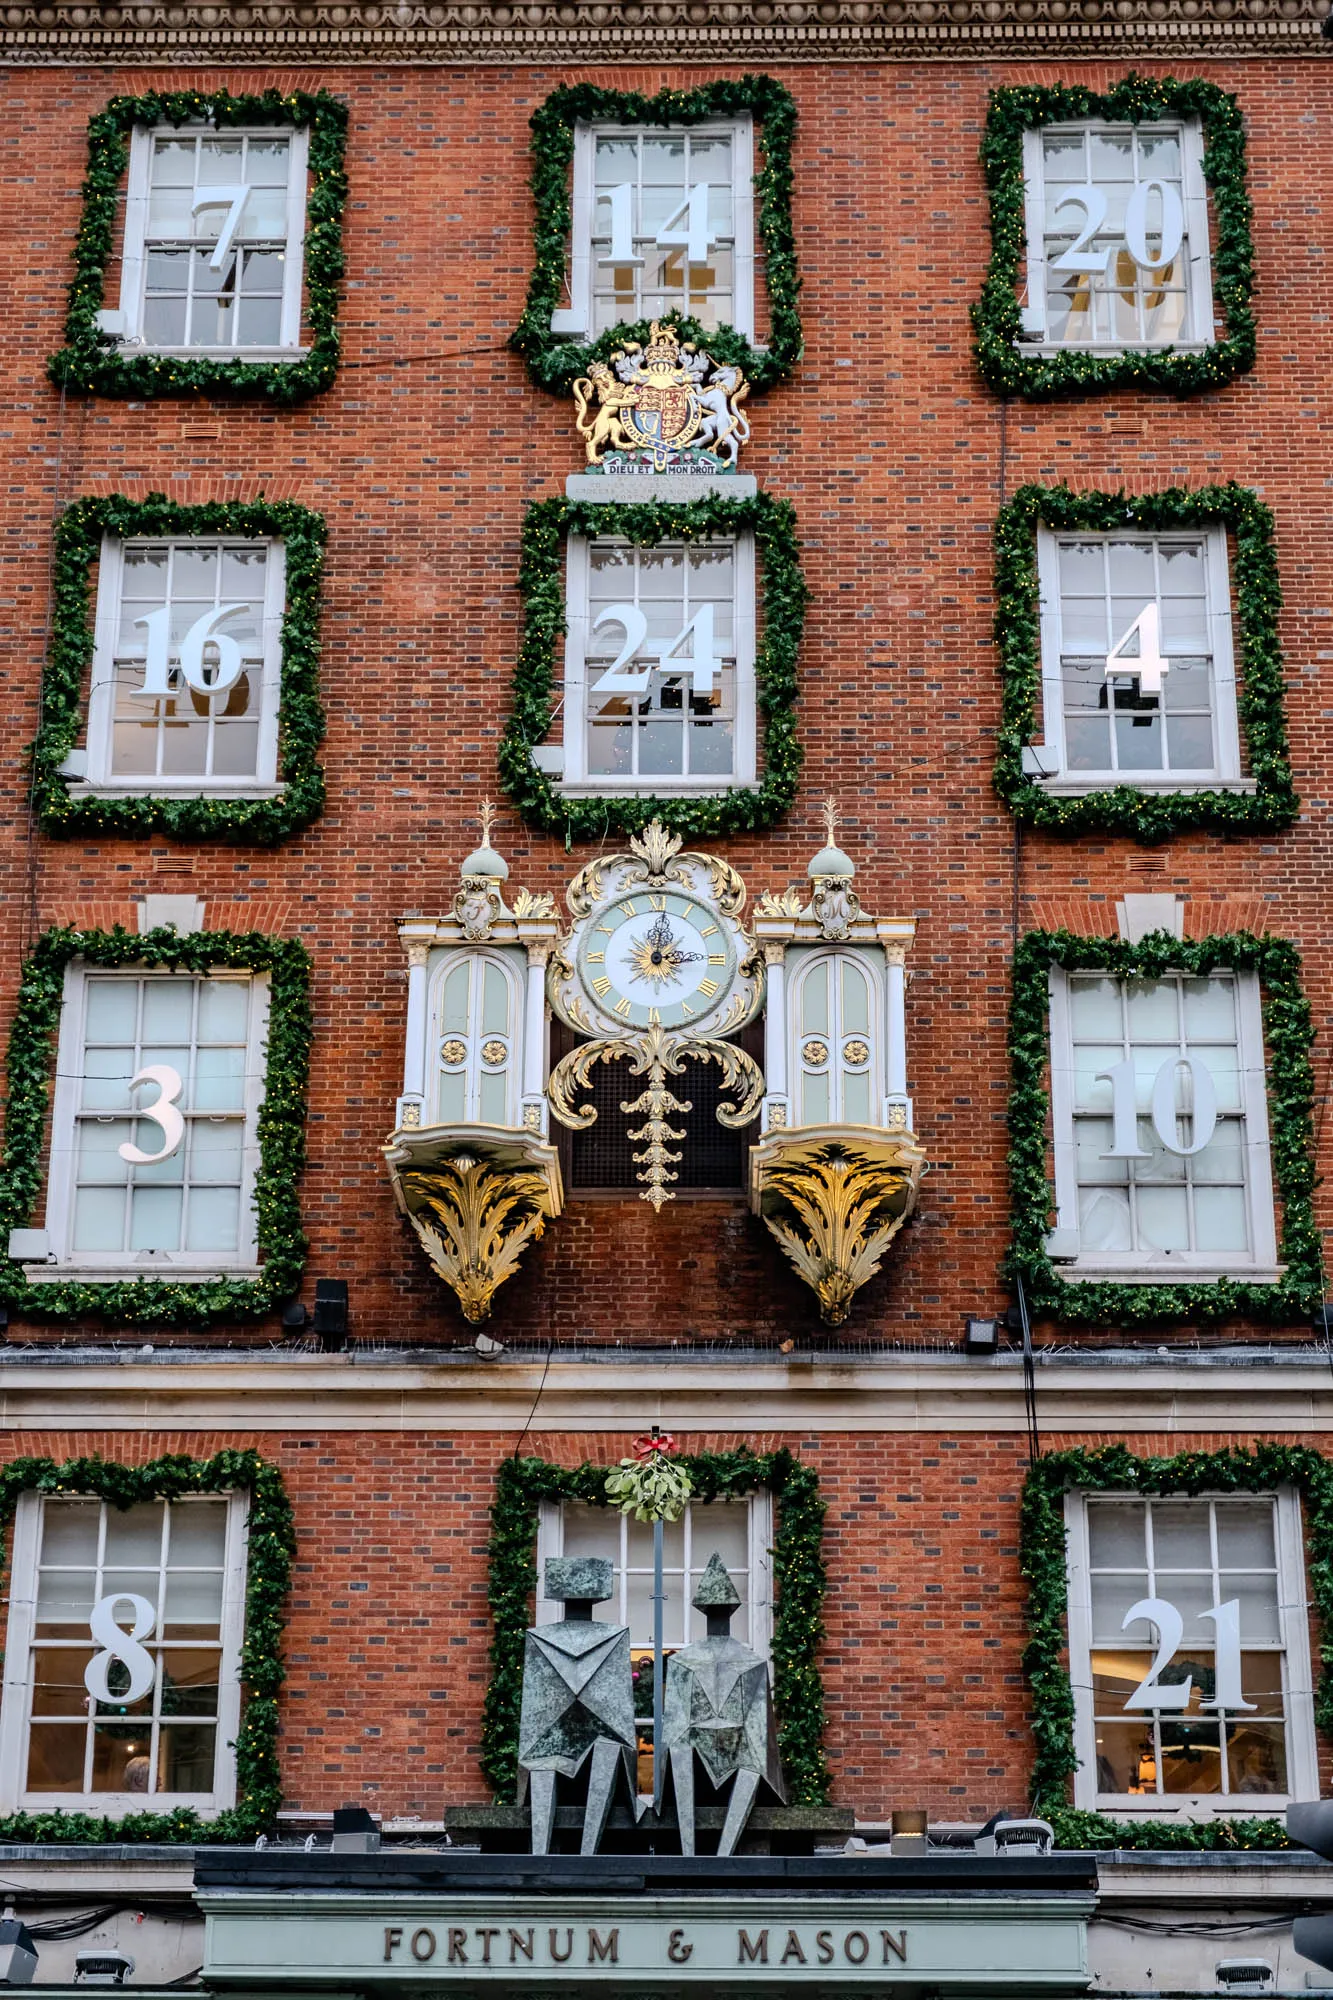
659 1763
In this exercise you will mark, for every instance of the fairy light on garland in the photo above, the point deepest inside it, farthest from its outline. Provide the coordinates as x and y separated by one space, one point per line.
783 595
799 1582
270 1548
89 362
1146 816
553 362
1043 1563
280 1126
78 543
1288 1035
1006 366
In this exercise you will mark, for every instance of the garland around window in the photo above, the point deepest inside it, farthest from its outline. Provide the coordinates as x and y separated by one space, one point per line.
1145 815
92 363
1043 1560
798 1575
553 362
78 542
281 1125
1013 370
271 1543
1288 1035
742 808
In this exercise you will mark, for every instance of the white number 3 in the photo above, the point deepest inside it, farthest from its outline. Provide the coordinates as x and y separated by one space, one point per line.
170 1085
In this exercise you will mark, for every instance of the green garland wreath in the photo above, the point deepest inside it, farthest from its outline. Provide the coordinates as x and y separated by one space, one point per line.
995 315
553 362
90 362
78 542
1043 1563
271 1545
742 809
1288 1035
1145 815
798 1573
281 1125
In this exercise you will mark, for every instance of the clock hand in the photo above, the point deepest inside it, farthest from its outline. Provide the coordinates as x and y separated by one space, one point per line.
657 956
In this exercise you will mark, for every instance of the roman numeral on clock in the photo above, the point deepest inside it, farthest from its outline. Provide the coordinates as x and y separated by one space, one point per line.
601 986
622 1006
717 958
708 987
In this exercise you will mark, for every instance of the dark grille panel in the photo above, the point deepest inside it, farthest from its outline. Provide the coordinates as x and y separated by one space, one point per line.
712 1157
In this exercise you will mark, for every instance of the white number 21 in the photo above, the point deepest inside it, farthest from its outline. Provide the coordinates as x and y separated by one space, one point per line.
1225 1619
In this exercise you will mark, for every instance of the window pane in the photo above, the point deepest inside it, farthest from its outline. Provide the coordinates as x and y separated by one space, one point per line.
69 1531
55 1757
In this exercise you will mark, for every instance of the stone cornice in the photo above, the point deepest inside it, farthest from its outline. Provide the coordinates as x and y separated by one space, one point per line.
340 32
936 1394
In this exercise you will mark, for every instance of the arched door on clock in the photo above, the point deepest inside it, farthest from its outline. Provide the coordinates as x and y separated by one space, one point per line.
478 1037
837 1053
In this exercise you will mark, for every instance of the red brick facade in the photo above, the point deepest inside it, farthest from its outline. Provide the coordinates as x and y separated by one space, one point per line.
422 457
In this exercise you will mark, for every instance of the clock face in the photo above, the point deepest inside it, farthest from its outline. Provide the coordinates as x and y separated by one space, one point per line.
659 959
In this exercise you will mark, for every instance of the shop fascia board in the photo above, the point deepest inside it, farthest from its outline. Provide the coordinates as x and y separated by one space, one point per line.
1121 1395
995 1941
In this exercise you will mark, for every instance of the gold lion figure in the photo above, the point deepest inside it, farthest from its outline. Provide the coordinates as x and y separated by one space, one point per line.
603 431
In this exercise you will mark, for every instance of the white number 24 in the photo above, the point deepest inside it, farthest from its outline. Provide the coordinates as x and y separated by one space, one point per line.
702 661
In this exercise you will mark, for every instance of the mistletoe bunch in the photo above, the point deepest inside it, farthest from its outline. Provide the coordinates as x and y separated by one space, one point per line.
649 1485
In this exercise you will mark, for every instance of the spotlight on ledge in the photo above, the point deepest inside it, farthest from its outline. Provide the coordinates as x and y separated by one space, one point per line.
486 1347
1321 1326
981 1336
330 1315
294 1316
102 1968
18 1953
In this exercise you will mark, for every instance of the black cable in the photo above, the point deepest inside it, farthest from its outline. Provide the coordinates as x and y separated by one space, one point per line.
546 1369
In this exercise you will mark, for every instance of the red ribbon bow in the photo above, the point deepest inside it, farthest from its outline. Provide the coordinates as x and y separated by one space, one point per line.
659 1441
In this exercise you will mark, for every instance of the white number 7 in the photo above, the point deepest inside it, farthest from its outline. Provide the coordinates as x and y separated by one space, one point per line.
1149 663
233 199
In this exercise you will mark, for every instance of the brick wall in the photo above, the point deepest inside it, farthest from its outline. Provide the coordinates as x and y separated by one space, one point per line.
422 456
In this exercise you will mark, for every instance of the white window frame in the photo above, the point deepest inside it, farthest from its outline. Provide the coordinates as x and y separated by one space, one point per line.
18 1671
576 318
575 779
133 269
100 780
1198 251
1298 1692
1183 1266
1226 772
473 1066
181 1265
759 1505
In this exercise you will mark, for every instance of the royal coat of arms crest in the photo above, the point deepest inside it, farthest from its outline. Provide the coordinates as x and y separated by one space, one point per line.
662 406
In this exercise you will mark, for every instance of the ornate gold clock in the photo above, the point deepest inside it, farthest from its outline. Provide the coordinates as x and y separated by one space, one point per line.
656 969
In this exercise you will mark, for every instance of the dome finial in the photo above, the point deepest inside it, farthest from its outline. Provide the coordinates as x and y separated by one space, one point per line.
830 859
484 860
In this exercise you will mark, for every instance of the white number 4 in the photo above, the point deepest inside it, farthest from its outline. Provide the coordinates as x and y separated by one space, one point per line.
702 662
694 239
1148 663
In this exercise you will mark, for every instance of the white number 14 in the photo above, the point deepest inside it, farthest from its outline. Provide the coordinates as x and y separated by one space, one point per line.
694 238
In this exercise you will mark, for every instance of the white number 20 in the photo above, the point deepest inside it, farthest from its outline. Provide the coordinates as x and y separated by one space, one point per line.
1082 257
